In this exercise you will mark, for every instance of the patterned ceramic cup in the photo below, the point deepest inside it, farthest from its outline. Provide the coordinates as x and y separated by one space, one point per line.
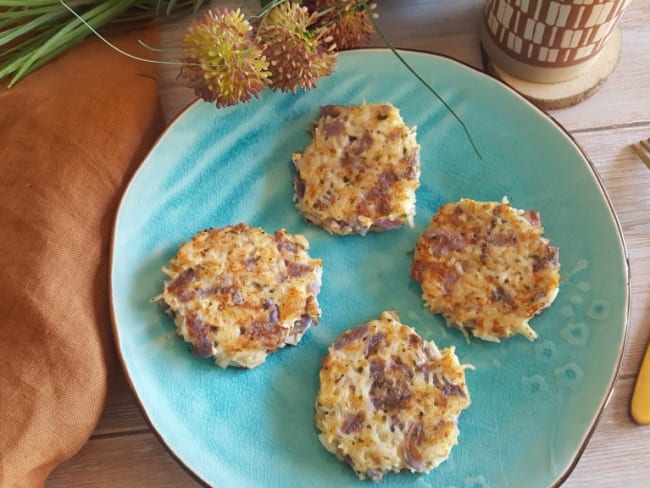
548 41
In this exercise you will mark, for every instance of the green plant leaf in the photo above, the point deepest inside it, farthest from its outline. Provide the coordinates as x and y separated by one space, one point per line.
33 32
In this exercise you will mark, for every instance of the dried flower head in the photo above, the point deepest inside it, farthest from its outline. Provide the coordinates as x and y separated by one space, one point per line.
347 23
221 59
295 47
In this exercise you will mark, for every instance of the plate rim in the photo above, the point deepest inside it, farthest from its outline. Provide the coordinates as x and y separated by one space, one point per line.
562 477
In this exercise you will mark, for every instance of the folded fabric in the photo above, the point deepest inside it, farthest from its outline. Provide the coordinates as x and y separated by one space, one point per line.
72 134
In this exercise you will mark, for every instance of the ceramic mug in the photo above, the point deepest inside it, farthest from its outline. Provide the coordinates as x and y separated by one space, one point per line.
548 41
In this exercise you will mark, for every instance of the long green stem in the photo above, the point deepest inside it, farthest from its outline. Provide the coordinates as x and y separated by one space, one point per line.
28 44
70 34
117 49
29 11
22 29
425 83
33 32
27 68
32 3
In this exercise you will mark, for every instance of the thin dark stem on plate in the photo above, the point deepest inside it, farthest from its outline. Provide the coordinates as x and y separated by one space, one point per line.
424 82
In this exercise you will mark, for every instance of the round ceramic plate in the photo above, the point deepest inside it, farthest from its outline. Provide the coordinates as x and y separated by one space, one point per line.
534 404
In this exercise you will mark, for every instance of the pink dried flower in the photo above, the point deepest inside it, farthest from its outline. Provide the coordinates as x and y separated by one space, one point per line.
346 22
295 48
221 59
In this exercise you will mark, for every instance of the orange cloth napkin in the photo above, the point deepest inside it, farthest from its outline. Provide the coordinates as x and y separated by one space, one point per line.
71 134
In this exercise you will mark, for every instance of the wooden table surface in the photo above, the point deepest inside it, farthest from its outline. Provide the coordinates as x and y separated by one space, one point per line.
123 451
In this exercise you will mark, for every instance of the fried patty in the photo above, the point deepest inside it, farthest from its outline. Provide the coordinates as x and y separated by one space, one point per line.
360 171
237 293
388 400
487 268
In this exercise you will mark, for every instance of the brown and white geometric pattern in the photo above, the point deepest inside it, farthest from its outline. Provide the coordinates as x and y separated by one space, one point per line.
552 33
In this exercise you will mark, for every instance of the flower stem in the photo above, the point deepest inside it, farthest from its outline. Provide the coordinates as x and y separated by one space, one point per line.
425 83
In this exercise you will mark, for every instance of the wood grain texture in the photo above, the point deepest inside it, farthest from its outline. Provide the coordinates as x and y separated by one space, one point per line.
124 452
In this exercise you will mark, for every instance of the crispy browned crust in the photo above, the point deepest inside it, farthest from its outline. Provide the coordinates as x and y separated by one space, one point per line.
360 171
238 293
388 400
487 268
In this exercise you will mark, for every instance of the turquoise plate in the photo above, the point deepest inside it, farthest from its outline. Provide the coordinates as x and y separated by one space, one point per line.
534 404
